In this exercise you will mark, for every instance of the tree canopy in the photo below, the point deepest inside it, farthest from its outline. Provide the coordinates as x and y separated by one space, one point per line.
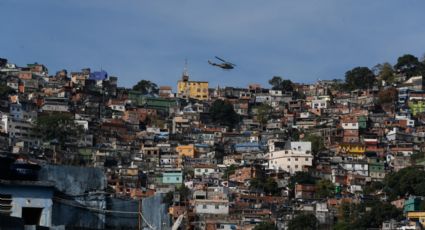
317 143
5 90
359 78
265 226
324 188
387 96
303 222
222 113
301 178
229 171
409 65
57 126
278 83
385 72
269 185
146 87
356 216
264 113
408 180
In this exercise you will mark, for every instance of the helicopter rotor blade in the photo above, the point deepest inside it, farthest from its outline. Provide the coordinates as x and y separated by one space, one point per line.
220 59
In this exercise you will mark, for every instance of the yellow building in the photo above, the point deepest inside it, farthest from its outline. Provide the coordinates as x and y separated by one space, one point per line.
186 150
417 216
356 149
192 89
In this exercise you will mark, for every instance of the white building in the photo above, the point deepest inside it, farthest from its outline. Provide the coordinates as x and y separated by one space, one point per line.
205 171
350 123
212 201
21 130
409 122
319 104
4 124
216 207
356 167
290 156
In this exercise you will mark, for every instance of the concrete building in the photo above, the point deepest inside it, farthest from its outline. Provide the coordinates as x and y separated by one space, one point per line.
319 104
192 89
204 171
29 200
212 201
290 156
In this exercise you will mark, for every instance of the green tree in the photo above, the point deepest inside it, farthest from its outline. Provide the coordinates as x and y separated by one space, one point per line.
188 173
294 134
278 83
385 72
409 65
5 90
271 186
408 180
222 113
303 222
255 183
373 187
146 87
379 212
183 191
317 143
359 78
324 189
229 171
264 114
341 225
268 186
168 198
301 178
57 126
387 96
265 226
417 156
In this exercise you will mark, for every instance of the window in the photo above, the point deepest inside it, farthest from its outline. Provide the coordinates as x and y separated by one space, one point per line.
296 166
217 206
306 159
289 159
204 206
296 158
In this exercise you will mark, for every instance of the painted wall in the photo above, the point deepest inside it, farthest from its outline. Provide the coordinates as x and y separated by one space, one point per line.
31 197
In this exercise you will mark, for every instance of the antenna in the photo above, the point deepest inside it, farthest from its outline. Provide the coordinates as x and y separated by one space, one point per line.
186 79
185 70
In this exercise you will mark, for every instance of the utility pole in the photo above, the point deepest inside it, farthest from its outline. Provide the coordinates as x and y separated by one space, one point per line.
140 214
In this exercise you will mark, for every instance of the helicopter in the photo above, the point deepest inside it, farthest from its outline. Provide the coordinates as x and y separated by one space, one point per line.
225 65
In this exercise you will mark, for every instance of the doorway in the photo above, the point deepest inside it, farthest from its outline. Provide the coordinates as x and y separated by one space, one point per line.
31 216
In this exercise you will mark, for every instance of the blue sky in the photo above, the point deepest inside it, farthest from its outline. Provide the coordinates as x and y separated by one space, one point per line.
298 40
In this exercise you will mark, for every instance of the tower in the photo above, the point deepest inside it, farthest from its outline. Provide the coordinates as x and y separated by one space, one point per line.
185 75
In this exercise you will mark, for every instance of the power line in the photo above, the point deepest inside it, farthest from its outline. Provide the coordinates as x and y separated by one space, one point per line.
104 211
